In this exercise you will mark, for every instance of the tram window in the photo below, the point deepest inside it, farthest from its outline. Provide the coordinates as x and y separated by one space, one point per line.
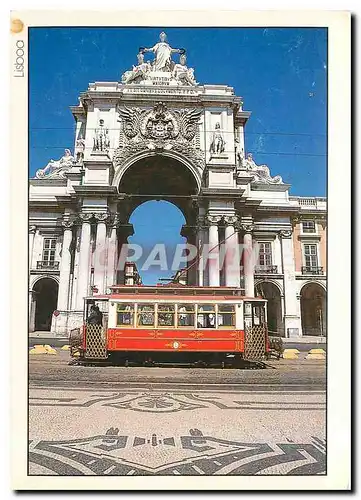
258 314
125 314
145 314
206 317
186 315
226 316
166 314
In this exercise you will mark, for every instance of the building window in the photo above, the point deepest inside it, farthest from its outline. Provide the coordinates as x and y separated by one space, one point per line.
265 254
49 250
308 226
310 255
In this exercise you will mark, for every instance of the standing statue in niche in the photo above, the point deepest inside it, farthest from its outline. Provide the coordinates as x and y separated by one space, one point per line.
79 149
162 51
218 143
101 138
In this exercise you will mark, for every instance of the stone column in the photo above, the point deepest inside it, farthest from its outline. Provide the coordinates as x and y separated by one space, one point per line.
248 260
292 312
112 257
100 252
63 294
84 260
201 241
213 250
32 230
232 256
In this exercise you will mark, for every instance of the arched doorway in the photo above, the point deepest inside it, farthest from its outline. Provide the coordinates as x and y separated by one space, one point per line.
160 210
274 307
45 294
313 310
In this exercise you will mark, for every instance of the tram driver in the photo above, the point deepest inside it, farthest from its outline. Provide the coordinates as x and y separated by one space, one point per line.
95 316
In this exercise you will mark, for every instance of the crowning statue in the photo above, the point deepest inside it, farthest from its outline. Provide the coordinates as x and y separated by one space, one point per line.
57 168
261 173
162 51
218 144
148 72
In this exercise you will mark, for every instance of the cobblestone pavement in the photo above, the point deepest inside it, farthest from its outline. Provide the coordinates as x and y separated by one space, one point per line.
174 421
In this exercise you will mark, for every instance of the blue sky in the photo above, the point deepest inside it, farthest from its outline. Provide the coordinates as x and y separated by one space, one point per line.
281 73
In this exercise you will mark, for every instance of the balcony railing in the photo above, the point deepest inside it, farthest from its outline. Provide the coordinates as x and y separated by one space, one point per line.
47 265
312 270
266 269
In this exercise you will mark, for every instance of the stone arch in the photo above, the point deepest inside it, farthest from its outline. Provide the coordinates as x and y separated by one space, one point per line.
134 159
44 297
272 291
313 309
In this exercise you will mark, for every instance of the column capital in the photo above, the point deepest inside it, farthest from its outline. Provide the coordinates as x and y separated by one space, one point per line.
32 229
247 228
85 217
295 219
213 220
230 220
68 223
285 234
114 220
101 217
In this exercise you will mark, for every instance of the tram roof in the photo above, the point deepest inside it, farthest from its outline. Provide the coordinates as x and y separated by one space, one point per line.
129 292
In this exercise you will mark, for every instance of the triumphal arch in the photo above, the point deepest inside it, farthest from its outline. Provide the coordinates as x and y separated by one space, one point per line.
159 134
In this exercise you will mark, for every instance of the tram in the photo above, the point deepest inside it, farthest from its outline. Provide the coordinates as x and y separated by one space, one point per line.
168 323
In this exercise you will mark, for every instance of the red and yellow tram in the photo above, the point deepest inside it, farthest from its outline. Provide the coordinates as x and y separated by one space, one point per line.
172 323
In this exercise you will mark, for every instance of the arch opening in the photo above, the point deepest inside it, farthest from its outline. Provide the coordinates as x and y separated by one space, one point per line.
157 229
159 208
45 296
159 177
274 307
313 310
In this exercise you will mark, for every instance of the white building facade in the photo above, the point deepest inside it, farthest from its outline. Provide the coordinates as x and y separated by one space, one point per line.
158 134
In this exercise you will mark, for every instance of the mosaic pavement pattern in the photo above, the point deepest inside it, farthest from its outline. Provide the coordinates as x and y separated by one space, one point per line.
136 432
114 453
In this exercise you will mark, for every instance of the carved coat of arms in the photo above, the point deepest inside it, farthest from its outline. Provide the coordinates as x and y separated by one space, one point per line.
159 129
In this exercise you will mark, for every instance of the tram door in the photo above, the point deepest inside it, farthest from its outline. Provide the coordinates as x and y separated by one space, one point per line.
96 316
255 329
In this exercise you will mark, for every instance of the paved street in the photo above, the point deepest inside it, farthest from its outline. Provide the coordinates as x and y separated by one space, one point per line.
113 420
